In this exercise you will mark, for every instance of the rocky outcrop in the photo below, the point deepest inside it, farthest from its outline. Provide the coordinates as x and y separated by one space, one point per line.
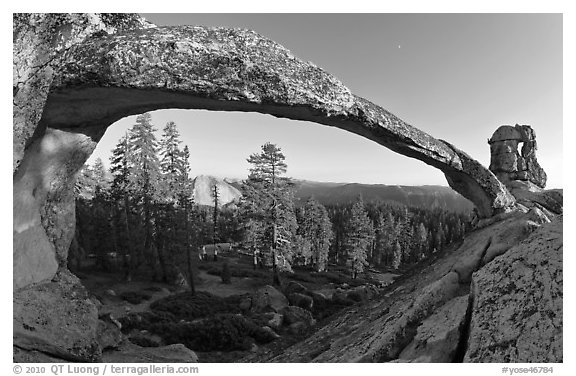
507 163
517 302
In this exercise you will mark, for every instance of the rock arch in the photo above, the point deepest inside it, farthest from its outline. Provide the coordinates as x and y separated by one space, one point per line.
101 69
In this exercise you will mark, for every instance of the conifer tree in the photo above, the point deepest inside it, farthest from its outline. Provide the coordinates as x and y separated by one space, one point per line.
144 177
359 236
120 167
268 198
316 228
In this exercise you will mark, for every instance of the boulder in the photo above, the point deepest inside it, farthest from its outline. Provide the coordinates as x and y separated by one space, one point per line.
144 338
437 338
341 297
298 328
358 294
57 318
271 333
274 320
295 287
130 353
294 314
517 302
245 304
319 300
301 300
268 298
108 332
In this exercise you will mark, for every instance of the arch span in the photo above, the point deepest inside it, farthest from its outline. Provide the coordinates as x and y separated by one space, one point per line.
106 78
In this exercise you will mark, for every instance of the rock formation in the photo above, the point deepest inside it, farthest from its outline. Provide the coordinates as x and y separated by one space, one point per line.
520 172
505 161
74 75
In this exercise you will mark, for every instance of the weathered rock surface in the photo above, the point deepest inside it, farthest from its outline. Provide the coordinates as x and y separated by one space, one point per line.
130 353
438 337
517 302
58 319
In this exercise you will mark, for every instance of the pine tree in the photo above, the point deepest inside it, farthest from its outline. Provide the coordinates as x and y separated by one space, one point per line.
385 238
421 241
216 197
144 178
268 198
359 236
172 162
397 256
120 167
316 228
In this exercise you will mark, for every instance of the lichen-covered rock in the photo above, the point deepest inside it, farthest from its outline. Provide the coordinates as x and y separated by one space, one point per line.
58 319
517 302
438 337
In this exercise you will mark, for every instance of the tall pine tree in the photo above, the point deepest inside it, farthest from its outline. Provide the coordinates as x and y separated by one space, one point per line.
359 237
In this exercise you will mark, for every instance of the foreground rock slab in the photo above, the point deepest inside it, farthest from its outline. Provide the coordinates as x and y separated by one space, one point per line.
130 353
517 309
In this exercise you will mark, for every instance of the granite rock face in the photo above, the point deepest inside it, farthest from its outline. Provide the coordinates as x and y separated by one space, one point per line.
438 337
517 304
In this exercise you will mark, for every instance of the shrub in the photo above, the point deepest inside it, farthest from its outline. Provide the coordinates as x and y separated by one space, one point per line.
186 306
135 297
223 332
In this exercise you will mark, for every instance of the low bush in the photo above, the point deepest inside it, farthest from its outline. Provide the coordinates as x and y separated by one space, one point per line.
186 306
135 297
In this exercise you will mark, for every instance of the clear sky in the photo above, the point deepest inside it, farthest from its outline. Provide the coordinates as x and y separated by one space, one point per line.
455 76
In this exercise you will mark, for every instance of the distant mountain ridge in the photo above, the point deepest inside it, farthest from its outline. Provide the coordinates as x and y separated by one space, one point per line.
426 196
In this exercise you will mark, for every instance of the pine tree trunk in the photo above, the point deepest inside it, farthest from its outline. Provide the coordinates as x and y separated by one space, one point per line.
129 264
188 253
